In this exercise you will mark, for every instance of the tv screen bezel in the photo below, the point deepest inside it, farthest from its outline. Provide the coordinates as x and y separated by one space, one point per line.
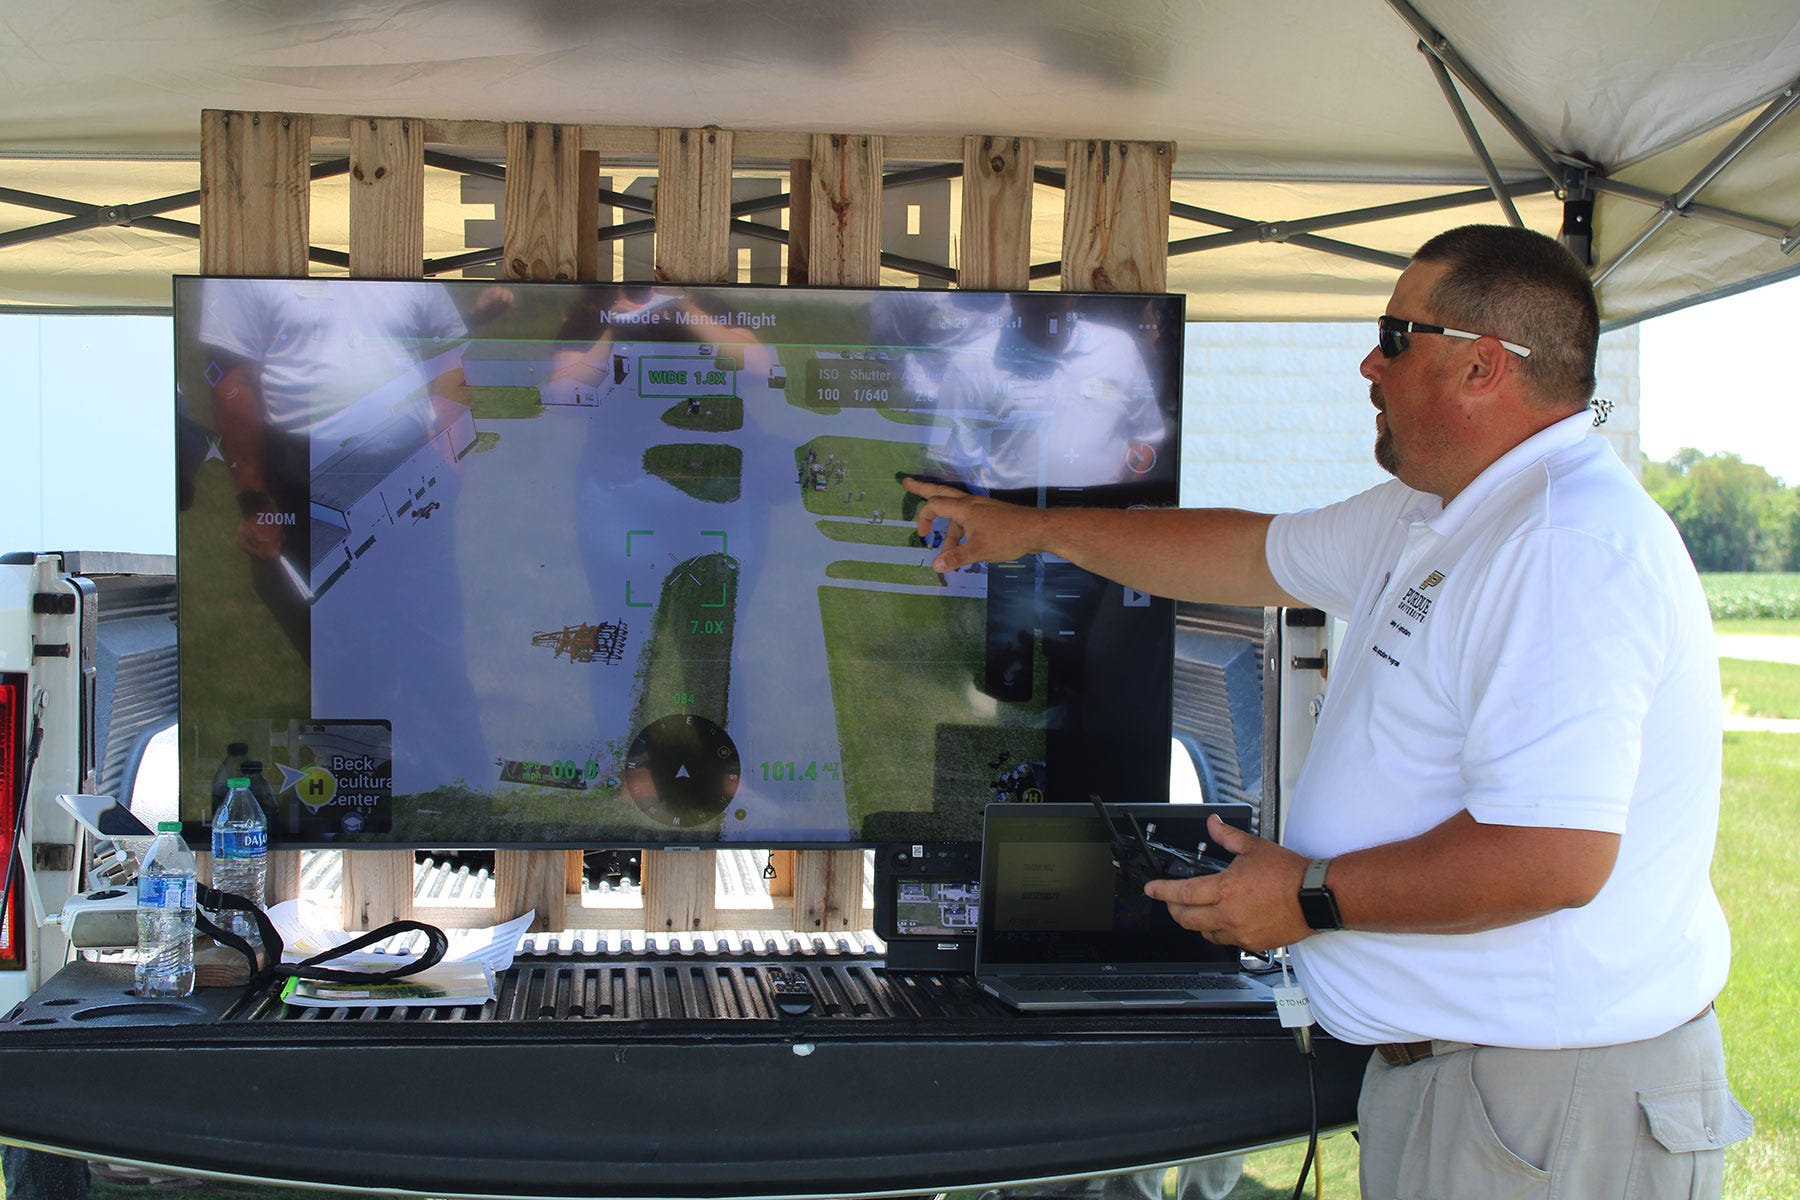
196 833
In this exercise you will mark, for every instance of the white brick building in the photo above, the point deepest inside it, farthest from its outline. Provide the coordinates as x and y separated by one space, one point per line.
1275 416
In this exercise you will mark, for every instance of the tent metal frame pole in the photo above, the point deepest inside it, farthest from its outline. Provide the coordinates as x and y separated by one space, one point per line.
1438 46
1460 111
1281 231
145 214
83 217
1677 205
1277 231
1695 211
1246 229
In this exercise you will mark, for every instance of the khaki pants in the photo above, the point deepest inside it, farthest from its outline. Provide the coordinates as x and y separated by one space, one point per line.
1641 1121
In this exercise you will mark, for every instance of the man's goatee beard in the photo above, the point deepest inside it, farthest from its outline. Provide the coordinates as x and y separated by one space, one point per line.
1384 453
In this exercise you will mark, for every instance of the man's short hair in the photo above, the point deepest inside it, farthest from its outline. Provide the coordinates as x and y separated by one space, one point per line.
1527 288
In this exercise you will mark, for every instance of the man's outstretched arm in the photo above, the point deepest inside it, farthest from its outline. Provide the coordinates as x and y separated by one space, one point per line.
1209 554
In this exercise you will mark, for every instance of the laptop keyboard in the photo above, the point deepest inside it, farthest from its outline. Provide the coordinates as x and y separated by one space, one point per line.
1107 983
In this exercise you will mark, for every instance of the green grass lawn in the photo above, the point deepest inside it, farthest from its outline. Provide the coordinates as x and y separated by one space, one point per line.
864 534
1757 873
504 403
871 572
1761 689
1774 626
712 414
706 471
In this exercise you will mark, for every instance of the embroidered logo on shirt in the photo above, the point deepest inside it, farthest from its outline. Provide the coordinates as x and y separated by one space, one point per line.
1416 604
1413 607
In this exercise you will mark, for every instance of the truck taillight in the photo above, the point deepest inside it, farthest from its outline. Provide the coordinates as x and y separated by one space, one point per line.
12 917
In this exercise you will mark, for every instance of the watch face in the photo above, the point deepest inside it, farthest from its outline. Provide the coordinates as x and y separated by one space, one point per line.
1318 907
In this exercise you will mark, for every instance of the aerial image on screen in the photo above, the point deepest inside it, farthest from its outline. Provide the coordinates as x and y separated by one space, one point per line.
469 563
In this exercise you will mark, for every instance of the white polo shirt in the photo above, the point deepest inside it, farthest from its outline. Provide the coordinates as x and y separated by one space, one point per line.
1539 653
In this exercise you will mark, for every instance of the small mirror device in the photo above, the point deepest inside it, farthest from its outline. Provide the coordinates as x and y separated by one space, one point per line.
1140 859
104 816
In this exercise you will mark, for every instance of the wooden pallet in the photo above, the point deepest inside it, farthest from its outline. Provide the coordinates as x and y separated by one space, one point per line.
255 202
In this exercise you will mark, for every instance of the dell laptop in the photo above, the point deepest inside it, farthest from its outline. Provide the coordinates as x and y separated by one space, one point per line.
1063 926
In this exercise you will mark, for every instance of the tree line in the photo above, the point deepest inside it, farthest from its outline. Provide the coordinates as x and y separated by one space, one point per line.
1733 515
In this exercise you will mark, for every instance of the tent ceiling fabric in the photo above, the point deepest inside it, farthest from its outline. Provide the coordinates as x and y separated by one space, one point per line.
1329 106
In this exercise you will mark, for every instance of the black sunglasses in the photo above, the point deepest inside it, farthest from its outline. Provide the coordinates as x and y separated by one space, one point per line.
1392 336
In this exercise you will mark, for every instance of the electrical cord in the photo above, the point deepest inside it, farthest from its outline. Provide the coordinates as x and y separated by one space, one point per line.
1296 1015
273 971
1312 1140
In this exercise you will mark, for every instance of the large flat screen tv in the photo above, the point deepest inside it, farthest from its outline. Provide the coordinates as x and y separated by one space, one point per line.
469 564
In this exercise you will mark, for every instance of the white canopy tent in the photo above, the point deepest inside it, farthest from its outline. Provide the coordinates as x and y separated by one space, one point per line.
1317 142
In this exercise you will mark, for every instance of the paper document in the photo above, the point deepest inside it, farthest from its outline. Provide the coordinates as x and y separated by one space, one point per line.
308 928
467 982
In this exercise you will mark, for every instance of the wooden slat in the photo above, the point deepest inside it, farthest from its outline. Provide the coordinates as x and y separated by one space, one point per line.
587 216
387 241
781 883
255 206
546 175
587 267
543 200
844 230
680 890
387 198
378 887
827 889
254 192
693 245
996 212
530 879
1116 216
284 876
799 222
842 225
693 207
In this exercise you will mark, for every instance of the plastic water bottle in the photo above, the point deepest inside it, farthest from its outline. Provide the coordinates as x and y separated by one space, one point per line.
240 848
231 766
165 915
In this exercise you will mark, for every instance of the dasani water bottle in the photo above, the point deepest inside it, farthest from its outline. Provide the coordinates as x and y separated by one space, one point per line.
165 915
240 847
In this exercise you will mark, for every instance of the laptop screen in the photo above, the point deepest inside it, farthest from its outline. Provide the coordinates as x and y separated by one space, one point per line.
1051 896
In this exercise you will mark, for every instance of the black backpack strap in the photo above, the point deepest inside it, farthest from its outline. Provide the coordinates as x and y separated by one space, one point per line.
267 969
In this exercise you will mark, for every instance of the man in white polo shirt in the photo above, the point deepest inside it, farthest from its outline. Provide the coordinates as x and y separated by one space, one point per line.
1495 861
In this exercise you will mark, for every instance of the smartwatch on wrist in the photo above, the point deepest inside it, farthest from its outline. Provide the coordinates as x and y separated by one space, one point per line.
1318 907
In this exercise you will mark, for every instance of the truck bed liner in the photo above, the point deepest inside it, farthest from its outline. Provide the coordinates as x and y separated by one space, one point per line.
655 1075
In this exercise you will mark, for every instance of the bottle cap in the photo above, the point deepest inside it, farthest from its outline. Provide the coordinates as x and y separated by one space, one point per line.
237 748
168 827
237 781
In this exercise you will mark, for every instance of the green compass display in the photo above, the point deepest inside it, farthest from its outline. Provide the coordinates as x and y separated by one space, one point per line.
682 771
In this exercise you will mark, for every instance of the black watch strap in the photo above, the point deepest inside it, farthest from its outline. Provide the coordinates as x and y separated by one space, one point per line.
1318 907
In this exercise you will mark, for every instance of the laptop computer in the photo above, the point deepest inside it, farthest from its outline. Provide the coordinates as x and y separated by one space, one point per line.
1061 929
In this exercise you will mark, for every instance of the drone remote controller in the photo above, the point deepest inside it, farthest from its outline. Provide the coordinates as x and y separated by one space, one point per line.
1140 860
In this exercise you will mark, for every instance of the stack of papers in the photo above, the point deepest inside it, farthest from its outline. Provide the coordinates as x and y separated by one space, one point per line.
465 976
